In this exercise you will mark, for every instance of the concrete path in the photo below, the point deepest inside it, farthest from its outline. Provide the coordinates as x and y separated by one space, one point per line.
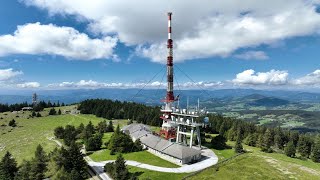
209 159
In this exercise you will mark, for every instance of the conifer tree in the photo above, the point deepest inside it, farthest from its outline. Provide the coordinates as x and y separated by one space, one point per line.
102 126
59 112
110 127
52 111
238 146
38 114
24 171
12 123
222 129
118 129
70 134
294 137
39 164
290 149
304 146
78 163
267 141
88 131
315 155
120 169
8 167
61 174
251 139
279 138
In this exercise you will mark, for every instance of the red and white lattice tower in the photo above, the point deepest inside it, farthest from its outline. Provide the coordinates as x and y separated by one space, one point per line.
168 128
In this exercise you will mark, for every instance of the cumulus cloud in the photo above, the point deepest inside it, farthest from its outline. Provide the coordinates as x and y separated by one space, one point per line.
212 28
8 74
273 77
310 79
252 55
152 85
29 85
50 39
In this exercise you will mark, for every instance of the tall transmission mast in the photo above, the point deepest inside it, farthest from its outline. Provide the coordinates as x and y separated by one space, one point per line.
170 96
168 128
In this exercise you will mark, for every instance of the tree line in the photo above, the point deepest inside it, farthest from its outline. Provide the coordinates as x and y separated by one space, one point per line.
122 110
38 107
90 135
291 143
67 164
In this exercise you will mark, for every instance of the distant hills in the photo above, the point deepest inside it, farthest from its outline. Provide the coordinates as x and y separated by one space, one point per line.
260 100
153 96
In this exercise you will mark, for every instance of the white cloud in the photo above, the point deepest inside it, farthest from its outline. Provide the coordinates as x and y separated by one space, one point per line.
255 55
212 28
7 74
29 85
51 39
201 84
152 85
309 80
273 77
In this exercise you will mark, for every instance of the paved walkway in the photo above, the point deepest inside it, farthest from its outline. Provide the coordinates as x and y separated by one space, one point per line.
209 159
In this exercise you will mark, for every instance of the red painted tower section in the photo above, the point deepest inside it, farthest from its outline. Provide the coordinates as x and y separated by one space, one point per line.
168 131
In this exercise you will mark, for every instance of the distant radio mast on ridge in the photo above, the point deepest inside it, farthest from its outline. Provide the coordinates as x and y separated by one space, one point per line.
34 99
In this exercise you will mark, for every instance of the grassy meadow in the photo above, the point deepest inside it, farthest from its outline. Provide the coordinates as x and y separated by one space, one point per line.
22 140
259 165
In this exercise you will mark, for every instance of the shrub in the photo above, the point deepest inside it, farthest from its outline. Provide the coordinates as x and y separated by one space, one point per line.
59 132
12 123
219 142
52 111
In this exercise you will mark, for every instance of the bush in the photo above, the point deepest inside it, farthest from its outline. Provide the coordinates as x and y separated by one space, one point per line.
122 143
94 143
12 123
109 168
52 111
118 170
59 132
219 142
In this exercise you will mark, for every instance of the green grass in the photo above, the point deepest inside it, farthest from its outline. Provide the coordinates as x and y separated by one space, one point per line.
154 175
141 156
22 140
224 154
242 167
292 124
106 137
259 165
265 121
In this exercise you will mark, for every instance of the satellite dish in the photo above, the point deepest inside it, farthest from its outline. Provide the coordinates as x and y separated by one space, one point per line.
206 120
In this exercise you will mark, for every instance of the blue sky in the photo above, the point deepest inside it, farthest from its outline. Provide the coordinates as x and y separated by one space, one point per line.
217 47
